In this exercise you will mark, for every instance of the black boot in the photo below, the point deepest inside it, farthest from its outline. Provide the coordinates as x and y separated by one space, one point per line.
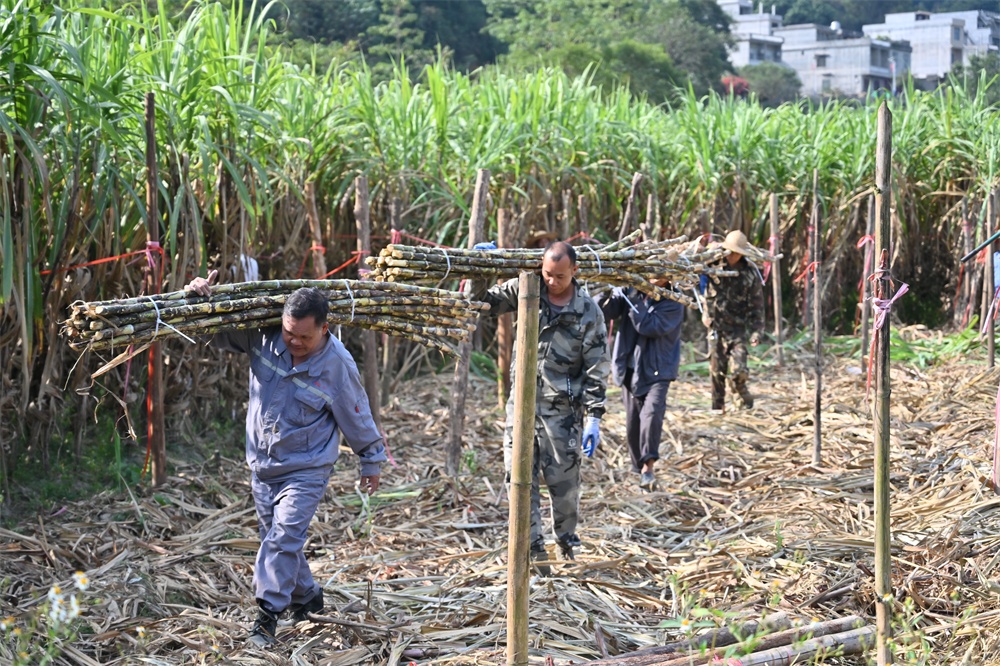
264 628
300 612
566 544
539 554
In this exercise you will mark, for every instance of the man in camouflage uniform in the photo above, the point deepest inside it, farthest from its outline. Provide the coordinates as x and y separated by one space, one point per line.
572 380
735 310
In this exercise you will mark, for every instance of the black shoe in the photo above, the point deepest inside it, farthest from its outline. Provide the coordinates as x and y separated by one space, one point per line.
539 554
567 543
300 612
264 629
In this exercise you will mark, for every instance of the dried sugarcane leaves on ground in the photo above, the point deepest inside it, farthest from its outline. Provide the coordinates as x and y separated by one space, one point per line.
742 525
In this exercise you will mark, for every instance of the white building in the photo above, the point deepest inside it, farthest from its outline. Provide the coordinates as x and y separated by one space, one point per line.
941 41
754 33
829 63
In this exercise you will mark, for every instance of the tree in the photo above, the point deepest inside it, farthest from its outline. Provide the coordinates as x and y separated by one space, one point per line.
980 77
692 33
771 83
395 37
642 68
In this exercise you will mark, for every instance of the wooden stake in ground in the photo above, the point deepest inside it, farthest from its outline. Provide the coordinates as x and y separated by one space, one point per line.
776 277
154 406
866 286
883 294
369 345
631 207
990 287
520 473
505 324
460 385
316 231
817 322
388 344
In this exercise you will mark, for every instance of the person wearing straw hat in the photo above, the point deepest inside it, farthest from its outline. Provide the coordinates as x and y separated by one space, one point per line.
644 360
304 389
734 312
569 403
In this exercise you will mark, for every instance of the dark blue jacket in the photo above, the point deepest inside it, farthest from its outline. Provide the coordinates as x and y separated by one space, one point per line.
650 335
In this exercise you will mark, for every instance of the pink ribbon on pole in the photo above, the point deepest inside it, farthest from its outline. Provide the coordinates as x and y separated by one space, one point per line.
991 312
774 252
882 307
996 445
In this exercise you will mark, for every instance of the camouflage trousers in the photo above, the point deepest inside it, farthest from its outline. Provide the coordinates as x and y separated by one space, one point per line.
728 354
556 460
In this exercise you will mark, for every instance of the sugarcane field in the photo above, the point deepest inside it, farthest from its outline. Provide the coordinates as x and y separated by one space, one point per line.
407 362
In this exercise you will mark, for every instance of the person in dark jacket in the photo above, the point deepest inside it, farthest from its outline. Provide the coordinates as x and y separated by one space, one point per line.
645 359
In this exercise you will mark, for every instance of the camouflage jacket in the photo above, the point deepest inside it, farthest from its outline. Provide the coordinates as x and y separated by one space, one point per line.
736 304
573 359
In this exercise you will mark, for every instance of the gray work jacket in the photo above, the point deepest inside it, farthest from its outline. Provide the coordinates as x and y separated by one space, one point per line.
295 412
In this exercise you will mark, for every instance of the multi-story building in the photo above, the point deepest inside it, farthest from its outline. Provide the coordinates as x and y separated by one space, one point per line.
940 41
828 62
754 33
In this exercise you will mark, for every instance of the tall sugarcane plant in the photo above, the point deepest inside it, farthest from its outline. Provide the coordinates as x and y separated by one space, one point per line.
241 131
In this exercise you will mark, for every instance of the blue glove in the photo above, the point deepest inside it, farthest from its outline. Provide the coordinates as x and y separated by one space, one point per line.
591 435
488 245
702 283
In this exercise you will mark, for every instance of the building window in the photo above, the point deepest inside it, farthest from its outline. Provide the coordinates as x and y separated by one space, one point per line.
827 85
956 34
821 61
956 56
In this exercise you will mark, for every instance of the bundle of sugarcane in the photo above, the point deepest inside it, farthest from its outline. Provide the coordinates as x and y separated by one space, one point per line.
622 263
434 317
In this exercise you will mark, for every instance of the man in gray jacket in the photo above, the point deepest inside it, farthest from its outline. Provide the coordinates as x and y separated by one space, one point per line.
572 381
644 361
304 387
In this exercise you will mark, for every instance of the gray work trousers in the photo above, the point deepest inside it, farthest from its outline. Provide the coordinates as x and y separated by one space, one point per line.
644 423
284 510
556 458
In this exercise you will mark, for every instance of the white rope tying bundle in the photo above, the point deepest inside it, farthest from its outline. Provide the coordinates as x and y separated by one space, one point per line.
159 321
350 295
596 256
618 291
447 259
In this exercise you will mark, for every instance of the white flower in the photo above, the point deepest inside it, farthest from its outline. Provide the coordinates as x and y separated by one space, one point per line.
74 607
82 582
55 595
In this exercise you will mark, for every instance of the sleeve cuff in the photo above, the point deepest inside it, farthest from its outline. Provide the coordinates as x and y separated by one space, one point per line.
371 469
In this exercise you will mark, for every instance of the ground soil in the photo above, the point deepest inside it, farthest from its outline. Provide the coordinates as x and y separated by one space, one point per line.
742 524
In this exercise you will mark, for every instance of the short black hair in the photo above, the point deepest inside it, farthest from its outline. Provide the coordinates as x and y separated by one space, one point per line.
559 249
308 302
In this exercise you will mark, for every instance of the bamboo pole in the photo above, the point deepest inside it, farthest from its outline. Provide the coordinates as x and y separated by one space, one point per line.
388 344
565 220
776 278
631 207
460 383
581 211
154 398
519 531
990 287
817 323
315 229
505 324
369 344
866 284
807 290
883 289
650 223
966 293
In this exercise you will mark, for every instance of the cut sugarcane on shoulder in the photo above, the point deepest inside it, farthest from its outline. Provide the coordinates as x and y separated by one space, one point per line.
625 263
434 317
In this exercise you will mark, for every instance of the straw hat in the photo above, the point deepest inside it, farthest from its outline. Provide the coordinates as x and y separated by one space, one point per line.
736 241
